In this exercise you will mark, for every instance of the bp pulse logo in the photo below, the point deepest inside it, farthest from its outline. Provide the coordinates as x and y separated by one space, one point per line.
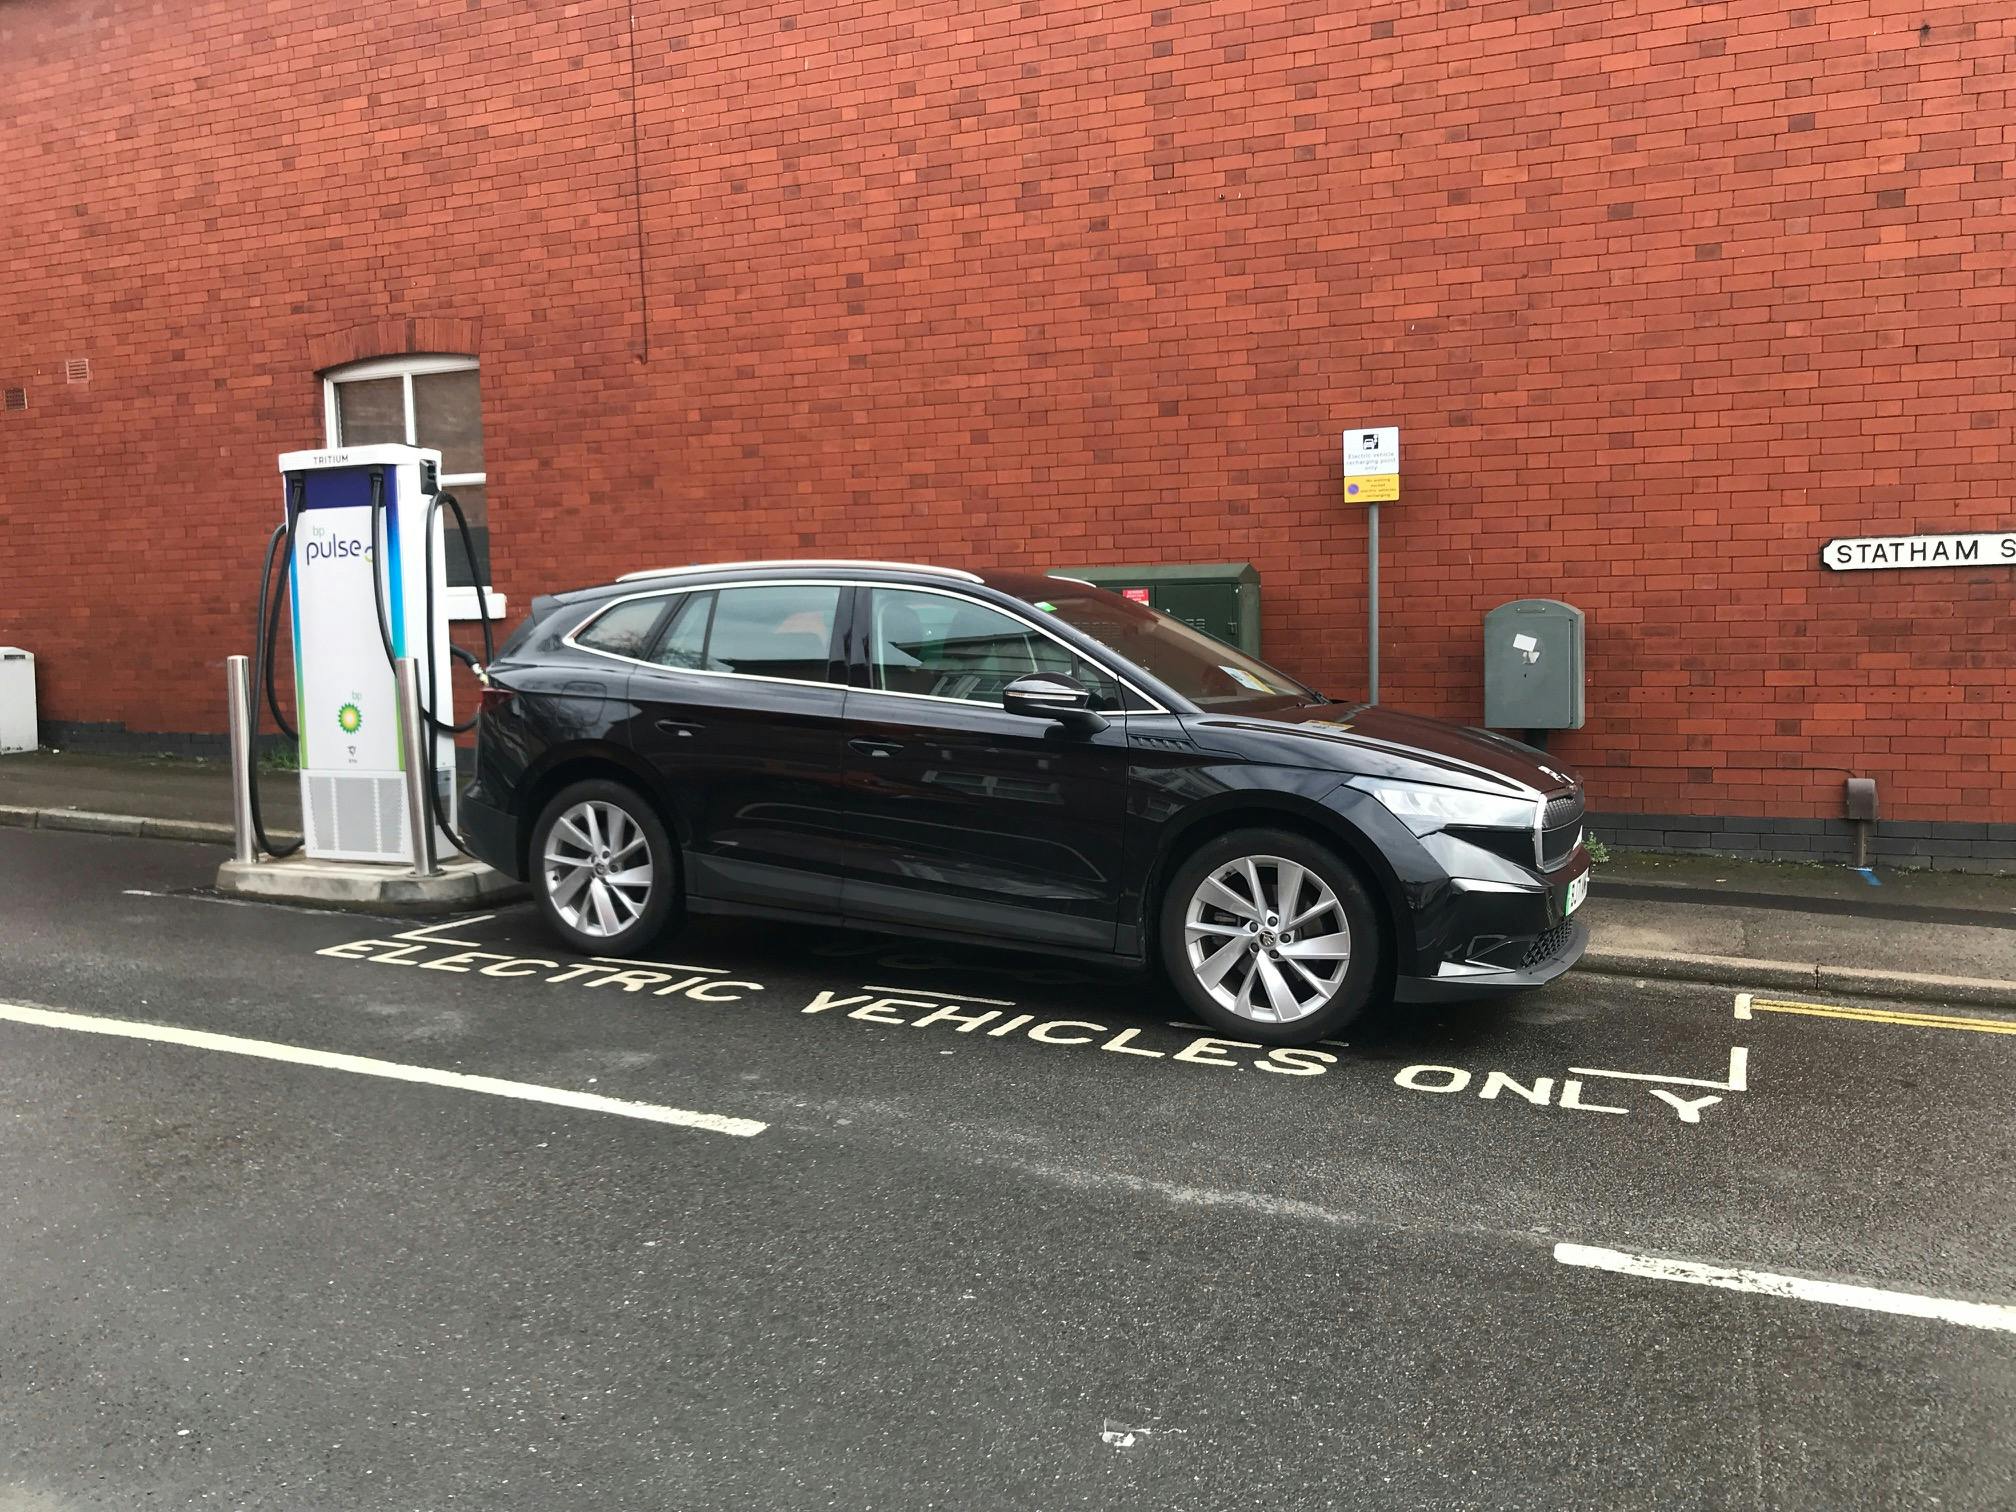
327 548
350 718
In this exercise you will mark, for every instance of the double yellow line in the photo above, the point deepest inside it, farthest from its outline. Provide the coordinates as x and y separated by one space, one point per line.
1874 1015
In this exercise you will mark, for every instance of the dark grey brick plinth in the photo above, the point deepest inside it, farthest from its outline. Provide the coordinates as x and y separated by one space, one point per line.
111 739
1904 843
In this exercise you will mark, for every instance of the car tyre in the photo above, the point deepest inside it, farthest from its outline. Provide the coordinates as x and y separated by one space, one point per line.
603 868
1271 937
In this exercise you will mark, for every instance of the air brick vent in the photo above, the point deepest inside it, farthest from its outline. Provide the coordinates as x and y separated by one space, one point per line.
77 370
17 398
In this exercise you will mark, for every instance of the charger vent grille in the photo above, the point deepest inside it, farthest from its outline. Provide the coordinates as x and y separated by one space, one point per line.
356 818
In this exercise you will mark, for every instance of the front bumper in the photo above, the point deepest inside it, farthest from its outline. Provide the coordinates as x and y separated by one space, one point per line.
1478 936
1554 952
1475 914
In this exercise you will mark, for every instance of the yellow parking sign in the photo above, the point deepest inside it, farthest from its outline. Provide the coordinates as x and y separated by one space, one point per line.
1372 488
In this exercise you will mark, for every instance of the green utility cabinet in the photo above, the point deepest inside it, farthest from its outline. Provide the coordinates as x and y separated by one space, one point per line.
1220 598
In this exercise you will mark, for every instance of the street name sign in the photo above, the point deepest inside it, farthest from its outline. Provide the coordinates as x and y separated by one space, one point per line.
1995 548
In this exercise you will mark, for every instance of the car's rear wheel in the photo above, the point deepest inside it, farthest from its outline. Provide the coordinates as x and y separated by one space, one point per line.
1270 936
603 868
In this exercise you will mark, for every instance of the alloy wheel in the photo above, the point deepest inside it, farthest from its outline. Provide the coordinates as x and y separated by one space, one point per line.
1267 939
598 868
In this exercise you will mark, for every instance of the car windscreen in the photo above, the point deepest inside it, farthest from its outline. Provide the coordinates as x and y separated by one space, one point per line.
1200 667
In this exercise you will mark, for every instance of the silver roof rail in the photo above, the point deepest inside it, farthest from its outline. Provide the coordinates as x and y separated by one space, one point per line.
797 563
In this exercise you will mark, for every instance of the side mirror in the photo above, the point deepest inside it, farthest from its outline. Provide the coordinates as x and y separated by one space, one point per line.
1053 696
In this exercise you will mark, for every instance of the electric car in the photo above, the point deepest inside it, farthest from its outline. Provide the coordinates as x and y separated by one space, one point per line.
1013 759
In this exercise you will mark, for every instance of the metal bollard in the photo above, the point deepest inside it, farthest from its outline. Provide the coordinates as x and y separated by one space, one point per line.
238 689
415 744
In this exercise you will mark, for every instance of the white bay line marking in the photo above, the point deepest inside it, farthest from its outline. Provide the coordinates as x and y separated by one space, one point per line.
300 908
1739 1074
1998 1316
659 965
1742 1005
935 994
426 931
362 1065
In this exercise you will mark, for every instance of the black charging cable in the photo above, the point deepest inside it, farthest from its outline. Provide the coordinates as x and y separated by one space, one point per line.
454 506
265 637
434 725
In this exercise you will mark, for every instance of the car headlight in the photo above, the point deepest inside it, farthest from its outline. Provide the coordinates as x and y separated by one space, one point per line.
1425 809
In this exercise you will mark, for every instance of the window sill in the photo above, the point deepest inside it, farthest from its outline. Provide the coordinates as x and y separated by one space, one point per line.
462 604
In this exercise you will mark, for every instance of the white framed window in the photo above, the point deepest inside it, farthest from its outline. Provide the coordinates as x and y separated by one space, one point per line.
425 401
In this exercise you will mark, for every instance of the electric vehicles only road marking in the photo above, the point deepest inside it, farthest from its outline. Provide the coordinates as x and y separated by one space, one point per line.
449 946
364 1065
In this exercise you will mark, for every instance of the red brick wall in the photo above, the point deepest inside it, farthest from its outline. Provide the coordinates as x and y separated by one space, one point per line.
1664 295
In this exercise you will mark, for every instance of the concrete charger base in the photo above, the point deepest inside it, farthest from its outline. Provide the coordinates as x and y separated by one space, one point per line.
368 886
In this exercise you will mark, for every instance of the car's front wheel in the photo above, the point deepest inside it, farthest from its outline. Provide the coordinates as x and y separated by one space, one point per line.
603 869
1270 936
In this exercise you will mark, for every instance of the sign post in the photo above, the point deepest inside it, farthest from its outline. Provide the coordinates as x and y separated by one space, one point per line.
1372 477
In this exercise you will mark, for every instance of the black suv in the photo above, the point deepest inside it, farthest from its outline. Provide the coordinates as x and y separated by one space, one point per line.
1012 758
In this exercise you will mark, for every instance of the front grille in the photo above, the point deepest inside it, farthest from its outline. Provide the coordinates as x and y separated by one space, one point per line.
1560 828
1547 946
1557 846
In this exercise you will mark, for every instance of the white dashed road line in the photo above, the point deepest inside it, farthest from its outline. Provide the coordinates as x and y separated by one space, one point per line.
1998 1316
361 1065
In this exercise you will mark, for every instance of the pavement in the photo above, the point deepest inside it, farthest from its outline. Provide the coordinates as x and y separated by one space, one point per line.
316 1210
1935 938
1929 937
192 794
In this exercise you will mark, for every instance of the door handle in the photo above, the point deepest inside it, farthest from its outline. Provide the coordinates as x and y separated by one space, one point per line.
875 747
677 727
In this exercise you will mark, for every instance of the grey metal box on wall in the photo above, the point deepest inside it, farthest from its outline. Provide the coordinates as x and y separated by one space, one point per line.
18 731
1533 673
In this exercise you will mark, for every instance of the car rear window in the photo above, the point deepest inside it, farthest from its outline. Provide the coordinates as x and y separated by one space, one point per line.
624 629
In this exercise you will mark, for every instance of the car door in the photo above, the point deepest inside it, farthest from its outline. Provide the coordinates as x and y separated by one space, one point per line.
738 705
960 815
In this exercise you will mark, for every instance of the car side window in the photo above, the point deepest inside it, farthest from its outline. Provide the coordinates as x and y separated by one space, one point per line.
784 631
684 643
623 629
951 647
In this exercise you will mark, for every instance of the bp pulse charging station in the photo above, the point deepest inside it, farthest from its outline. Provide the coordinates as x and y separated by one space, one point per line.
366 570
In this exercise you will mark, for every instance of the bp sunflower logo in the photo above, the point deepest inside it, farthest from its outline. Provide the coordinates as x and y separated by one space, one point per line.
351 718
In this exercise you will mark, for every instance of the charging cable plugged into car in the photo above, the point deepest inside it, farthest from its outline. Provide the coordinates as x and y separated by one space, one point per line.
438 499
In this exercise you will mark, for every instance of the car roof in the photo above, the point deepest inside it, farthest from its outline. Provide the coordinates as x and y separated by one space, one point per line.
799 564
1021 584
1028 587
